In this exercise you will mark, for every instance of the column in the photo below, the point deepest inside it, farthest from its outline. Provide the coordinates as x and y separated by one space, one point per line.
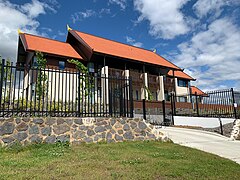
160 91
144 93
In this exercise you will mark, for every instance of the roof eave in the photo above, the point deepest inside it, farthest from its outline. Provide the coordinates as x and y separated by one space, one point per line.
133 60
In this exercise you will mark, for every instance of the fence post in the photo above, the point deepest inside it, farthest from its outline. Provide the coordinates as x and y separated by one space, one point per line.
234 108
221 126
79 94
196 97
174 99
131 97
1 81
144 109
164 112
173 108
110 103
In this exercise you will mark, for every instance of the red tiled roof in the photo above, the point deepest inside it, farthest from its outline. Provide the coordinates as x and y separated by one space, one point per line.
45 45
117 49
180 74
195 90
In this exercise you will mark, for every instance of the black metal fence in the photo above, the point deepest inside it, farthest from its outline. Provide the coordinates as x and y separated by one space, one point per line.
26 91
220 103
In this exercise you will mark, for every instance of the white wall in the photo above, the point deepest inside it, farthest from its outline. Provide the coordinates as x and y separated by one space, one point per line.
200 121
180 91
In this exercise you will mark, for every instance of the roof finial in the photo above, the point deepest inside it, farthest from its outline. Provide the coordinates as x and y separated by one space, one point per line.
19 31
154 50
68 28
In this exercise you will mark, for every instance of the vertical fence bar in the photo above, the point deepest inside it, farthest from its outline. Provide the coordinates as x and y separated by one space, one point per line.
164 112
5 87
172 108
110 84
19 84
27 88
221 126
144 109
10 87
131 97
234 108
62 100
1 82
197 104
79 95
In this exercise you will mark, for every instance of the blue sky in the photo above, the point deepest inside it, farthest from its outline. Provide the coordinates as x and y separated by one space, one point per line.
201 36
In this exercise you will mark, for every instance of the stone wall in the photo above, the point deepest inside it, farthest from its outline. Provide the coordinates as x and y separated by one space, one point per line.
74 130
235 135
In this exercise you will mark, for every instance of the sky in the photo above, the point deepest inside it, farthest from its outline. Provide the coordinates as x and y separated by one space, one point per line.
200 36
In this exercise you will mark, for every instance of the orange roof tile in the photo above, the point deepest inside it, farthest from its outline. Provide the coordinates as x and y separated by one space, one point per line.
180 74
195 90
105 46
45 45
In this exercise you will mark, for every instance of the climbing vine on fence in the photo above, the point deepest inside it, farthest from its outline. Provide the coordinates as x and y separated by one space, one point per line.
150 96
86 78
41 85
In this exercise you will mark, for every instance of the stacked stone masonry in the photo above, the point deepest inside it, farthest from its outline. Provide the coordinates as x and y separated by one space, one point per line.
235 135
73 130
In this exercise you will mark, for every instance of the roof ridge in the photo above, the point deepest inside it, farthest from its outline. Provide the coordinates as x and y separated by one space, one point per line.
117 41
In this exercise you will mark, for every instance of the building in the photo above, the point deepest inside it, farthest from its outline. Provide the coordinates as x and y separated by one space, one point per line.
149 71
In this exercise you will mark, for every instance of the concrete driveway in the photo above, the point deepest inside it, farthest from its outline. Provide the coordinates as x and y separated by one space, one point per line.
205 141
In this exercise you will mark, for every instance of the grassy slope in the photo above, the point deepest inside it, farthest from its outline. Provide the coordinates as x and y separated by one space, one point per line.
128 160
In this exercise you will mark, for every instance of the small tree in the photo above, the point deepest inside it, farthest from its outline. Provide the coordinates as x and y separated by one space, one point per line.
7 69
6 77
41 76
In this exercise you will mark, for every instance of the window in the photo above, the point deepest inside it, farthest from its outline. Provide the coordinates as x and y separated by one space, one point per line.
182 83
61 65
34 62
182 99
136 94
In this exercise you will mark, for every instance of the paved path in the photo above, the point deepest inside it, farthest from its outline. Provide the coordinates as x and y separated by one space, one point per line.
205 141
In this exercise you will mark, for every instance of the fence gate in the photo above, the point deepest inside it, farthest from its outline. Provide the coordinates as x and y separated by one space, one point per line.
219 104
120 97
158 112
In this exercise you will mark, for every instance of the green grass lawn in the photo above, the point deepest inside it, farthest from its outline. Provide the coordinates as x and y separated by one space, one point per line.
127 160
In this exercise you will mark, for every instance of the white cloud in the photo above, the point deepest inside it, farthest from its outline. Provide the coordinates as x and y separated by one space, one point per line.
80 16
133 42
33 9
12 17
215 7
213 56
105 11
165 17
121 3
60 33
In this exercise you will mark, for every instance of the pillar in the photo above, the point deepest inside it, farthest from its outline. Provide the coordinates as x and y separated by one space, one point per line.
160 91
144 93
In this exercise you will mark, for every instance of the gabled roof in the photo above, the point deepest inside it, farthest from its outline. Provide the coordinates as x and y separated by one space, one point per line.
181 74
195 90
113 48
49 46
